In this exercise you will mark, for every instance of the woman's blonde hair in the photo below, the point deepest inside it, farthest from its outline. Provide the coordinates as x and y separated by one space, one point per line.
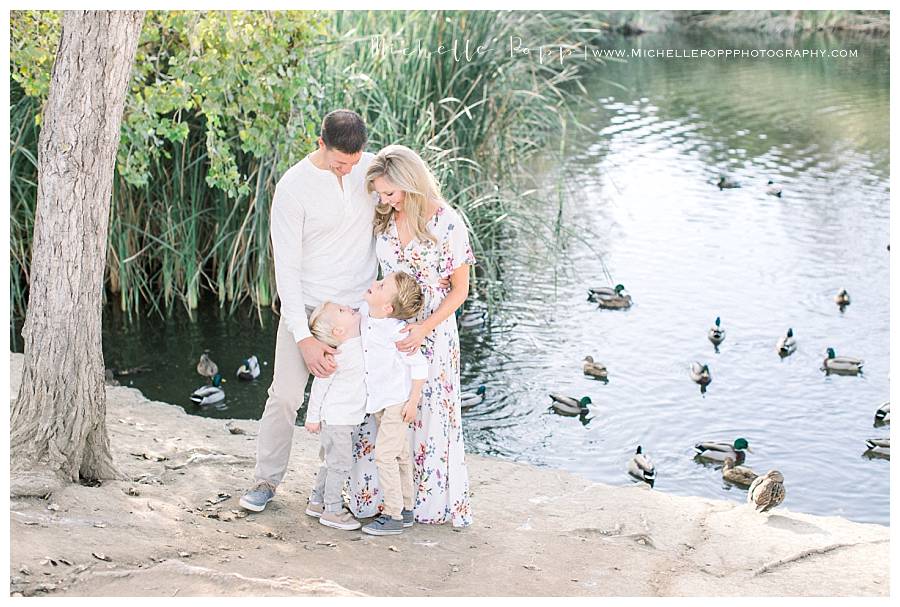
321 325
405 169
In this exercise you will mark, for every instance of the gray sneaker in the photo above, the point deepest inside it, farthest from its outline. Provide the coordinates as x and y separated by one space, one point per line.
408 518
315 509
339 520
384 525
256 498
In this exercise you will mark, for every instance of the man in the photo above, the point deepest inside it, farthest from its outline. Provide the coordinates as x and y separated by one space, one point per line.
321 228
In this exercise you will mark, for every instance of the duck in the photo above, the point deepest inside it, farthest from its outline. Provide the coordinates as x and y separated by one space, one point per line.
773 189
727 183
209 394
842 298
717 333
700 373
738 475
718 451
471 318
842 365
767 491
879 446
641 467
786 344
470 399
883 414
610 298
566 405
249 369
596 370
206 367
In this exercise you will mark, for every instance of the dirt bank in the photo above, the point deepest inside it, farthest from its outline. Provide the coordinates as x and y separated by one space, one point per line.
173 532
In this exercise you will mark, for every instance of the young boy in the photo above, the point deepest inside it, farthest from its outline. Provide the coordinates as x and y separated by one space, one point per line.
337 404
394 383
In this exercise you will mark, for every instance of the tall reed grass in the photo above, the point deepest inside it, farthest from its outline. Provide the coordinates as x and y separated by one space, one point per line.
483 123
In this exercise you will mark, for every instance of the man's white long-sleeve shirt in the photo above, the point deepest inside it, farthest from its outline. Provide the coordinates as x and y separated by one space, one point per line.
322 240
340 398
389 372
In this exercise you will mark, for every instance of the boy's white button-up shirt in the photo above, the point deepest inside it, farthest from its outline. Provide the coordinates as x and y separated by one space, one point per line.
322 240
389 372
340 398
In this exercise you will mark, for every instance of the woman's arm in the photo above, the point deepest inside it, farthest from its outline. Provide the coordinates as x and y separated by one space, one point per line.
459 290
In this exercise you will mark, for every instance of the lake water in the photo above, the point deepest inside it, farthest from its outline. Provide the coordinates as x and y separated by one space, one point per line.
640 193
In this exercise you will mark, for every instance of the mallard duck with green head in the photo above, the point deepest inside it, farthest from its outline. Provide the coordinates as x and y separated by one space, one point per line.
787 344
249 369
767 491
207 395
641 467
469 398
841 365
718 451
566 405
595 370
716 333
737 475
614 298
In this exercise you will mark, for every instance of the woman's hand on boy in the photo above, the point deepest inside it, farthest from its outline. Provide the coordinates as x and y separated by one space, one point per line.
416 335
313 427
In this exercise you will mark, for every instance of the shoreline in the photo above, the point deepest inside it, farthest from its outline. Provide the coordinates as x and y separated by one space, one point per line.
176 530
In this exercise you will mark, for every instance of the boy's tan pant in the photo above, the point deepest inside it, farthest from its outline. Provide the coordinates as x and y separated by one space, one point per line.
394 461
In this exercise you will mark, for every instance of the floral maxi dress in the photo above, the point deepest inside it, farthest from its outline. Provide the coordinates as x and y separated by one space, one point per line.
440 477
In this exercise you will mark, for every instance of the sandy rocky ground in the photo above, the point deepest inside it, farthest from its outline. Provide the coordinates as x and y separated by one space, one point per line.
175 529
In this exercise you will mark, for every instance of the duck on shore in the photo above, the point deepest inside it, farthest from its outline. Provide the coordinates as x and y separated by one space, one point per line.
737 475
641 467
717 334
566 405
719 451
767 491
787 344
595 370
841 365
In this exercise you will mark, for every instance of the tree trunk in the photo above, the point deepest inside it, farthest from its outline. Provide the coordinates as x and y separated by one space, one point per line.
58 422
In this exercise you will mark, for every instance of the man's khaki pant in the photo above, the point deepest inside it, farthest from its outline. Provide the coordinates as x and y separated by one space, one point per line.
394 461
276 427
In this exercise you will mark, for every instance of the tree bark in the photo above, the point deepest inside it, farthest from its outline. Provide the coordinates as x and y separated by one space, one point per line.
58 422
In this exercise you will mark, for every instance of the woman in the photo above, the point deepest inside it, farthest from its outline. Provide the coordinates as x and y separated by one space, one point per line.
417 232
